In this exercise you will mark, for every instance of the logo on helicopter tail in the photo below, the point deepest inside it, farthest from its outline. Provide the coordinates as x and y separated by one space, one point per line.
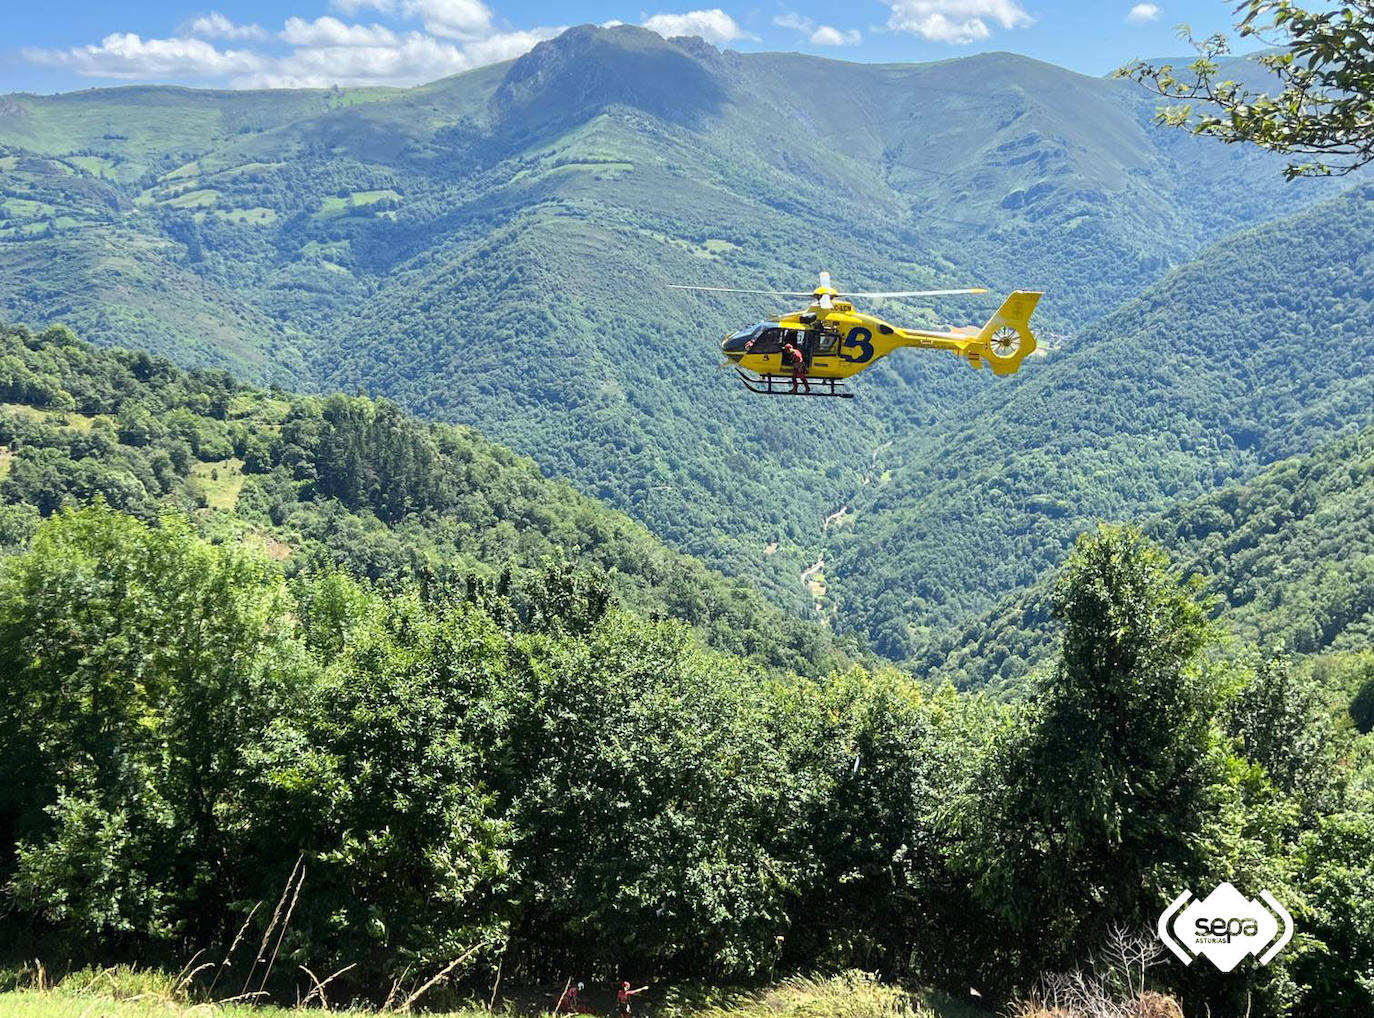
1226 926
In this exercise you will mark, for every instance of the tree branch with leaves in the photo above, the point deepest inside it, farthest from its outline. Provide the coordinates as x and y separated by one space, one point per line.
1322 105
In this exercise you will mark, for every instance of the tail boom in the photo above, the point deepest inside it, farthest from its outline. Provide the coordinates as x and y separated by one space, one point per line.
1002 343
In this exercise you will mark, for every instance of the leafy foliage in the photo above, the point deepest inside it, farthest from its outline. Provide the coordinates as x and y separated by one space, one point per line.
1126 767
1323 103
559 782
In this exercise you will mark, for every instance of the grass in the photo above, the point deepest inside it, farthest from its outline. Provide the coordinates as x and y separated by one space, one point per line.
126 992
222 481
336 205
256 216
193 199
184 172
96 166
81 423
25 208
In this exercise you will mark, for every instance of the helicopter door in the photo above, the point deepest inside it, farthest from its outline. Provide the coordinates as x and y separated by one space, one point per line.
802 339
820 342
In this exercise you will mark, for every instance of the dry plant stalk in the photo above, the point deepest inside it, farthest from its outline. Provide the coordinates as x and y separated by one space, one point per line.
285 923
232 948
267 934
395 989
1113 986
319 986
405 1007
500 963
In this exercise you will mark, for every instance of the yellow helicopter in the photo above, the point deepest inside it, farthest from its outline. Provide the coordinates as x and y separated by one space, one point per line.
830 341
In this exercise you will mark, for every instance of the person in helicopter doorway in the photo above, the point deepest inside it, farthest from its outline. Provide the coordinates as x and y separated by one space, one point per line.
796 360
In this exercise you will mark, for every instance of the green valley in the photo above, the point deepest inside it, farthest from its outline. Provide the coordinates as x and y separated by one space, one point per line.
493 249
1287 554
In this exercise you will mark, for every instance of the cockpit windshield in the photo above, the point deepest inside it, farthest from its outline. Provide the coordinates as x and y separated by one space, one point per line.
735 342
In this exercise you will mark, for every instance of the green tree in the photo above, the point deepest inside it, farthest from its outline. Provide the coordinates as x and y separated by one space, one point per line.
378 785
645 788
1336 960
1282 725
135 663
1093 808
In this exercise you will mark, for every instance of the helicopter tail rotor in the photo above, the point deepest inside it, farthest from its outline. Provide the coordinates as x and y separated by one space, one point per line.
1007 339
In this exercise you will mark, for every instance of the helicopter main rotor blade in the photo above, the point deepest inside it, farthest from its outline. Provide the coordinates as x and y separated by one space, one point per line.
916 293
726 289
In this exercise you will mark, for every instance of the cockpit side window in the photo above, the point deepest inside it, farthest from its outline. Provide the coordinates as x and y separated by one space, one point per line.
825 340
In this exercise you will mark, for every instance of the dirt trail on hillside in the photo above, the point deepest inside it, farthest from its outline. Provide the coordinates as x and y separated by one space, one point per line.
839 517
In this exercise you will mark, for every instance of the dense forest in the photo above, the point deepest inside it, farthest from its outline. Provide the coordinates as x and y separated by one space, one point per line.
338 482
1229 364
555 771
1287 555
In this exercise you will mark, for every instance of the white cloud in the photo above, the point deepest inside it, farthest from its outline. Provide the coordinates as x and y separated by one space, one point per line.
451 19
506 45
819 35
955 21
825 35
1142 13
455 19
328 31
415 58
325 52
713 25
794 21
216 26
124 55
411 60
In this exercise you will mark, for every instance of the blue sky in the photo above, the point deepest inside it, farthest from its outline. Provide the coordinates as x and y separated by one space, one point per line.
61 44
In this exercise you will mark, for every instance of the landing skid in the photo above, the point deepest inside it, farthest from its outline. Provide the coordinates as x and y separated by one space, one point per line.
783 385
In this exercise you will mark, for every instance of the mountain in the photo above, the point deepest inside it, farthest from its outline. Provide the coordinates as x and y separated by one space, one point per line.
493 249
1231 363
1288 555
339 483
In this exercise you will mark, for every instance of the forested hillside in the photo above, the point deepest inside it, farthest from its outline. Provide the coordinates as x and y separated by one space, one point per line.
492 249
1289 555
341 482
1232 362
